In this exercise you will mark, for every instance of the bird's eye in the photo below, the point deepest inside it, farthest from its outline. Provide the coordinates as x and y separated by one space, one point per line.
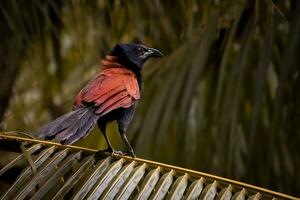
140 49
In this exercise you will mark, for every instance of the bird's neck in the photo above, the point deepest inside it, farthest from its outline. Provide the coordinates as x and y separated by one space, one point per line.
111 61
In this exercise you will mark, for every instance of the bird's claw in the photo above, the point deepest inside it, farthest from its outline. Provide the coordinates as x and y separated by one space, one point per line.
117 153
114 152
120 153
111 151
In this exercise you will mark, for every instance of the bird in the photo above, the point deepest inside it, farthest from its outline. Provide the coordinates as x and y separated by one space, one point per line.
112 95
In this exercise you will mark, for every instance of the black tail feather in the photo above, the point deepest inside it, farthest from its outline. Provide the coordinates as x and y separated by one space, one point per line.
81 132
79 129
69 127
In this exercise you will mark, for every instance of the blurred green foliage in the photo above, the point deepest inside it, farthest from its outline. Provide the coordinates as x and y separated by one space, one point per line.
224 99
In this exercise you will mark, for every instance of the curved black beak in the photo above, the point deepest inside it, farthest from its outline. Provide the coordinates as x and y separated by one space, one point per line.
151 52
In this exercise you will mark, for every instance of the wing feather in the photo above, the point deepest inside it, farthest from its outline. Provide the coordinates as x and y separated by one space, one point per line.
112 89
124 102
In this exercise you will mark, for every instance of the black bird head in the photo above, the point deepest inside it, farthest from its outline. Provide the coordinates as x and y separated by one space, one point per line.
134 55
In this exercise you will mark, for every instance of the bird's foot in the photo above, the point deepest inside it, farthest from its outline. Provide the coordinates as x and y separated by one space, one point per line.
117 153
112 151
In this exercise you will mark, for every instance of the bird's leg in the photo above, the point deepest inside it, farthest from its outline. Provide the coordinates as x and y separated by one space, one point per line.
123 124
129 148
109 149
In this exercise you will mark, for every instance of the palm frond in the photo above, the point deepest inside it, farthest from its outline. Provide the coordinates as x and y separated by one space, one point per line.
71 172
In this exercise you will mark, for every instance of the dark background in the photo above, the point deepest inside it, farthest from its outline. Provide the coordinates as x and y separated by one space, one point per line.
224 99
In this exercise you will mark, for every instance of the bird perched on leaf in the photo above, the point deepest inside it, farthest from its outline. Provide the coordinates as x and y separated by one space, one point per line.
112 95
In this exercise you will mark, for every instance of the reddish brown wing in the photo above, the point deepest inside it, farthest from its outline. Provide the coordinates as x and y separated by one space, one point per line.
113 88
